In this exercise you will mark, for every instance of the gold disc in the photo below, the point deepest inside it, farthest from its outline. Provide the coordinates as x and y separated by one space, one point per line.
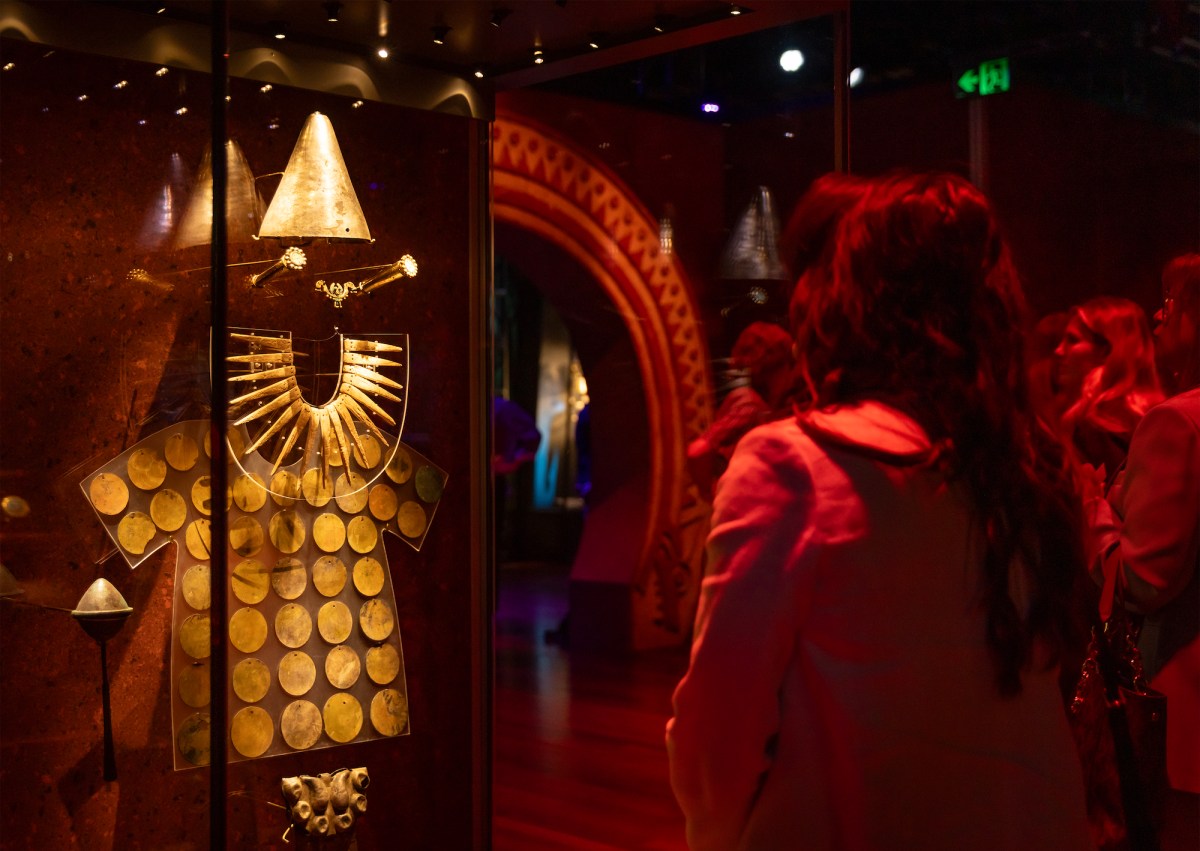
247 630
181 452
250 581
135 531
369 458
194 636
194 686
329 532
343 717
350 492
249 492
246 536
429 483
251 680
168 510
109 494
197 587
400 468
362 533
376 620
317 488
285 488
383 664
293 625
383 502
199 539
252 731
233 442
193 738
329 576
335 622
389 712
286 530
297 673
410 518
368 576
202 495
342 667
146 468
300 724
289 578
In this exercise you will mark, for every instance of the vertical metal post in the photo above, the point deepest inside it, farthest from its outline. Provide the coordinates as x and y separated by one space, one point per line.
841 90
218 786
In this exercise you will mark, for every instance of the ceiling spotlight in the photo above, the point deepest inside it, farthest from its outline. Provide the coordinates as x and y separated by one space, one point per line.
332 10
498 16
595 40
735 9
538 57
479 73
160 10
660 24
710 108
382 51
791 60
856 77
439 34
278 30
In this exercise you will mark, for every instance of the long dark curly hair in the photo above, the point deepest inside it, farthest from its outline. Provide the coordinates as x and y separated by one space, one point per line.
918 304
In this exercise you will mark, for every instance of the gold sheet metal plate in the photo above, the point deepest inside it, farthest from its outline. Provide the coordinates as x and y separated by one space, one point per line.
383 664
195 637
251 680
317 488
400 468
289 578
246 536
247 630
146 469
168 510
389 712
249 492
251 580
329 532
368 576
109 494
372 453
297 673
195 685
199 539
193 739
342 667
285 488
335 622
135 531
383 502
329 576
410 518
430 483
293 625
181 452
362 534
286 530
197 587
301 724
343 717
376 620
350 492
252 731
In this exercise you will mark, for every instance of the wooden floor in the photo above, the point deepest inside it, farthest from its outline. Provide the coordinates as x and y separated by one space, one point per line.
579 755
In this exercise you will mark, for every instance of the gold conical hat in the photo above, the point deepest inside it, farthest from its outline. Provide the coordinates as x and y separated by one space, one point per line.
243 206
315 197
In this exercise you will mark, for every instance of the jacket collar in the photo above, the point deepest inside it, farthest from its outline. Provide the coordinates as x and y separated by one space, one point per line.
871 428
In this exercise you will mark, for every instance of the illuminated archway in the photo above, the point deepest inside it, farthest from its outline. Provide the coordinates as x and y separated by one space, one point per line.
555 190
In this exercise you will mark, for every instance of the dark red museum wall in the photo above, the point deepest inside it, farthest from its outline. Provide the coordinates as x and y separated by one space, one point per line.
90 362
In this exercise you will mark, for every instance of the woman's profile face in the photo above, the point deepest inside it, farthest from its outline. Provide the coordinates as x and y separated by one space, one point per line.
1078 353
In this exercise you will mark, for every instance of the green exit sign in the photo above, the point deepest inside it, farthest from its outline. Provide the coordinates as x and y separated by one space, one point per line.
985 79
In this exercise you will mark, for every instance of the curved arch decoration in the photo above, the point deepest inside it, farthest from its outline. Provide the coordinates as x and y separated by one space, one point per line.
555 189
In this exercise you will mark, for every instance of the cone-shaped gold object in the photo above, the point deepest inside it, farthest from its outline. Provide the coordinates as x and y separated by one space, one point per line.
243 206
752 252
101 611
8 583
315 198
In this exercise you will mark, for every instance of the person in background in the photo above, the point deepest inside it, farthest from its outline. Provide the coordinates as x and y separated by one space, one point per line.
1040 342
1147 535
874 656
1104 366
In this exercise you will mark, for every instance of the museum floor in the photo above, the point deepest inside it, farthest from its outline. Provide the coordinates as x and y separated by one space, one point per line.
579 756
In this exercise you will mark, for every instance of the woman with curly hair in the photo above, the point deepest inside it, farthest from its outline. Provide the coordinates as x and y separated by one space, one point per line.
874 660
1105 363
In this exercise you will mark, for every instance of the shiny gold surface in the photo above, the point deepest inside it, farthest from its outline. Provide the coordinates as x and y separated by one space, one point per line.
293 625
135 531
329 576
368 576
369 456
193 739
168 510
297 673
343 717
243 204
246 536
109 494
194 636
316 487
350 492
247 629
146 469
101 598
429 483
389 712
400 468
202 495
181 452
199 539
383 502
362 533
383 664
410 519
335 622
289 578
342 667
251 680
194 685
376 619
250 581
233 442
249 492
285 488
252 731
300 724
286 531
329 532
197 587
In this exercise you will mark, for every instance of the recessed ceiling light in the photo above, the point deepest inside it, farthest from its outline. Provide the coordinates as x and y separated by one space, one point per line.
332 10
498 16
791 60
439 34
